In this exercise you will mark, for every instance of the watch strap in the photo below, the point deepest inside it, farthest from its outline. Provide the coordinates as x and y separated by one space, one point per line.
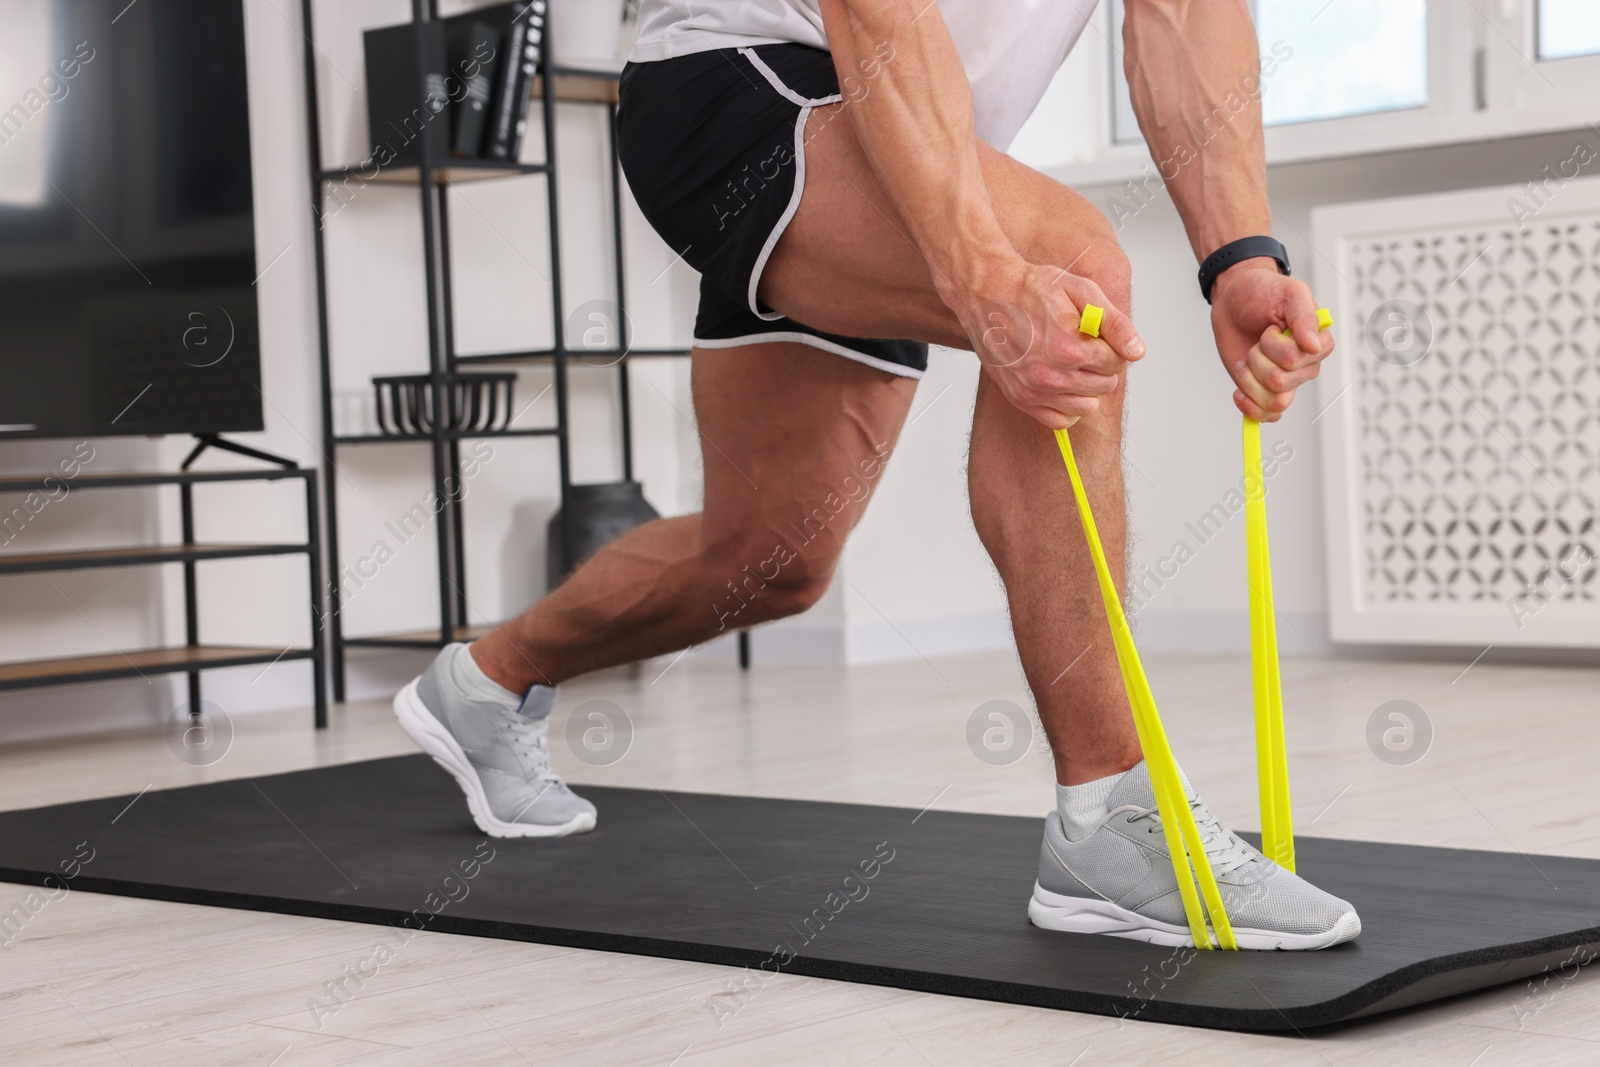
1233 252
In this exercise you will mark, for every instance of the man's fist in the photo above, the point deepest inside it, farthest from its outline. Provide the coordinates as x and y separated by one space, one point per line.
1024 328
1251 306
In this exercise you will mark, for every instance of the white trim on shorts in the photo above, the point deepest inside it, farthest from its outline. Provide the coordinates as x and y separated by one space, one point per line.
823 343
806 104
783 90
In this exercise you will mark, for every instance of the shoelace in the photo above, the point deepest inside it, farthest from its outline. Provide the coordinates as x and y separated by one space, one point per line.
529 741
1225 851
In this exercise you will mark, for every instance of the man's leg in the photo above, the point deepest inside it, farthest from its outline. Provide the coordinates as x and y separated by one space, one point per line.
793 441
1023 508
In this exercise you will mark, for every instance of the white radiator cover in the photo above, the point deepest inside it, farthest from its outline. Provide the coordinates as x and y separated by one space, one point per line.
1461 437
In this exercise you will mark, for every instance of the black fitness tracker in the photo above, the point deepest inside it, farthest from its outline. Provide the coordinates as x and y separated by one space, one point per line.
1233 252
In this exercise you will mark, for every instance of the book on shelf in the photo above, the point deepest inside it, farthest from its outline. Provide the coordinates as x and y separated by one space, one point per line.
473 98
522 25
474 49
399 109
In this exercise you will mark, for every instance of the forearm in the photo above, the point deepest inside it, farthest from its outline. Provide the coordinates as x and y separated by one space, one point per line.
1194 76
914 121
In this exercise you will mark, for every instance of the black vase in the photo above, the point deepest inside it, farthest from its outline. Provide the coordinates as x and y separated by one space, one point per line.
601 513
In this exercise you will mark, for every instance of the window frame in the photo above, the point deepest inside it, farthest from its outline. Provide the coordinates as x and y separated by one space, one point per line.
1515 77
1450 93
1537 7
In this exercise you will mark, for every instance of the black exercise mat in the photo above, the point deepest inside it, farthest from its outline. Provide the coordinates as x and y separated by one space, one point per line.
932 901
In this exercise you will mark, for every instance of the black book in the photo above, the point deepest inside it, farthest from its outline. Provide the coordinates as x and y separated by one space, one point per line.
398 109
474 49
522 24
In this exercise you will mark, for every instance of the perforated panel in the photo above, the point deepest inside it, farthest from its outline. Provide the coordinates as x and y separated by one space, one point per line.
1464 454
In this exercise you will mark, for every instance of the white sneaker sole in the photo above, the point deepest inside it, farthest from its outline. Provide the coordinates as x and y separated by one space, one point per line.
431 736
1083 915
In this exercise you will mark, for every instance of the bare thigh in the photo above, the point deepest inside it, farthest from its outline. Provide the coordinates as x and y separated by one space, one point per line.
846 264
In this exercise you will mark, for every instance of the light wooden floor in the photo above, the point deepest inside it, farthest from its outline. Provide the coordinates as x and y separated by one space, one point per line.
103 980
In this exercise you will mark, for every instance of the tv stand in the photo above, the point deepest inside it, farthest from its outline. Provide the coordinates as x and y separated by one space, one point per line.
193 656
203 441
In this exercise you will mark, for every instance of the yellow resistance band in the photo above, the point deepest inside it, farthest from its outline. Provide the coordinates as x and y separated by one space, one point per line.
1177 821
1272 762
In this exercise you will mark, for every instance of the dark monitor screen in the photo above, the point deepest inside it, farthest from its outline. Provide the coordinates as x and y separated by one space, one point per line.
127 242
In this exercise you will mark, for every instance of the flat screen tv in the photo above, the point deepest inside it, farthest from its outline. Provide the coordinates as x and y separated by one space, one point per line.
127 241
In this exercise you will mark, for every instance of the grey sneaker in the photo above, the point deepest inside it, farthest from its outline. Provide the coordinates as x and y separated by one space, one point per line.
1119 881
499 756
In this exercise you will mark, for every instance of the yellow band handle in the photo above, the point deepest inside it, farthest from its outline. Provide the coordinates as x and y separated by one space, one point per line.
1324 320
1089 324
1089 321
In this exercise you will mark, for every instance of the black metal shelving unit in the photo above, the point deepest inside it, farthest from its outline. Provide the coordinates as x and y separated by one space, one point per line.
432 177
192 657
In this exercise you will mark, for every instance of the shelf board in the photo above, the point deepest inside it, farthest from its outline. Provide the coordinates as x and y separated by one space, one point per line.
602 69
579 355
22 483
136 555
420 638
138 663
575 85
459 435
445 172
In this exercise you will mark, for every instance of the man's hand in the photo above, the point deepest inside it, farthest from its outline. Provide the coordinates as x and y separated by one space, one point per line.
1023 321
1251 305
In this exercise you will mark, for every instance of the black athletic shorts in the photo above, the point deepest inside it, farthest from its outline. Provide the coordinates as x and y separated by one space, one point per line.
713 147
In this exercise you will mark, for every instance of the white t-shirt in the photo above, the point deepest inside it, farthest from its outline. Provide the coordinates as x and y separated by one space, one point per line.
1010 48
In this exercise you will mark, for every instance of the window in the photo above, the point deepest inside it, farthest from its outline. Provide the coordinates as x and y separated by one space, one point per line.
27 86
1568 28
1321 60
1342 57
1124 124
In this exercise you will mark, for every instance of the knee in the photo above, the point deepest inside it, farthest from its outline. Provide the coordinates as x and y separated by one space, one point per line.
786 598
1079 237
1107 266
775 579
